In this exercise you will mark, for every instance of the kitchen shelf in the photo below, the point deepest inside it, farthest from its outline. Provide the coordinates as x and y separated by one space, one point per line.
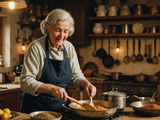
126 18
125 35
31 24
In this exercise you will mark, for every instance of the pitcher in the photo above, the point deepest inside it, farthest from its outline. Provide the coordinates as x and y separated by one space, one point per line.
101 10
112 11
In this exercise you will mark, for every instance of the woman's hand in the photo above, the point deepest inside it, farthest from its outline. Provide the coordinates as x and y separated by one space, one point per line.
59 93
56 91
90 89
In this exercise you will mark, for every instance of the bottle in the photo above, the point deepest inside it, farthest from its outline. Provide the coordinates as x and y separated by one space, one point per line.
98 28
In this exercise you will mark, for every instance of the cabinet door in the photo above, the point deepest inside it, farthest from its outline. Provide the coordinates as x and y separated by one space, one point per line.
73 92
79 10
98 94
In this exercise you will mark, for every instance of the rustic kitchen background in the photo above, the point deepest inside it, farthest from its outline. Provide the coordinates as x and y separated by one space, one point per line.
11 23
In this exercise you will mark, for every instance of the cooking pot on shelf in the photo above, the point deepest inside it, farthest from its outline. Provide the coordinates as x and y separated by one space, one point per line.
139 77
153 79
114 96
114 75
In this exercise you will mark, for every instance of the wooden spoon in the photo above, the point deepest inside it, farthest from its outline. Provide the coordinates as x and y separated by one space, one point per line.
85 105
91 101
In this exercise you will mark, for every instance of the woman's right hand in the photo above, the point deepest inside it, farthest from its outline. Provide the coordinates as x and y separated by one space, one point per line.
59 92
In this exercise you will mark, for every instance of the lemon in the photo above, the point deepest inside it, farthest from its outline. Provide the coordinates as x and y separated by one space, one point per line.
4 116
1 111
7 110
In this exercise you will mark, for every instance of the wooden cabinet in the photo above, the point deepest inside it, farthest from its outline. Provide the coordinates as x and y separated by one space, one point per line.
79 10
73 92
11 99
123 19
76 94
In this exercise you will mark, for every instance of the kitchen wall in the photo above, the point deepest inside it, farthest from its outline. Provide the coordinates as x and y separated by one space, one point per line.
130 68
10 48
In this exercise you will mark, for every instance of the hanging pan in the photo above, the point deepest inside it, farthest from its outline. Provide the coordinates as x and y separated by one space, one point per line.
108 60
101 52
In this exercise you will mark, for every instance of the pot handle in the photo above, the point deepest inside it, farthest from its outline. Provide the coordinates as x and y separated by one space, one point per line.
126 97
136 96
66 107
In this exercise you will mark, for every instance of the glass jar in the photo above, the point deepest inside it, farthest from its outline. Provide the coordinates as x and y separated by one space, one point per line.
98 28
1 61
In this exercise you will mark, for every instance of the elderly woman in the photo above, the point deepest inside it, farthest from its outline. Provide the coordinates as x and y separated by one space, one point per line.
50 63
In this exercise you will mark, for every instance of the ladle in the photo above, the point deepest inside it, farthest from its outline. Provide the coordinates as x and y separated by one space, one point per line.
18 39
139 56
85 105
133 57
149 59
155 58
159 50
146 48
126 59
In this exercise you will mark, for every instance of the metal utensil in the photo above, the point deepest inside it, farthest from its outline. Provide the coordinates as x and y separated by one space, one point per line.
133 57
159 50
18 39
155 58
126 59
149 59
94 52
85 105
139 56
146 48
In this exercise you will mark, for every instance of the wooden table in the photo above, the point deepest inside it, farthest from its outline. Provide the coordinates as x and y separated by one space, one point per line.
131 116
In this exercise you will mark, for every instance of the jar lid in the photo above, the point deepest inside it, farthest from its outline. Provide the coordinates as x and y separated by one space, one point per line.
115 93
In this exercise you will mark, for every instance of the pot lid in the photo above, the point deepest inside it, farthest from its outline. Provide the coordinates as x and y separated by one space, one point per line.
115 93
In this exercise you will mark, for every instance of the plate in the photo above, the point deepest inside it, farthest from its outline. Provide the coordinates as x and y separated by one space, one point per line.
15 115
137 28
92 66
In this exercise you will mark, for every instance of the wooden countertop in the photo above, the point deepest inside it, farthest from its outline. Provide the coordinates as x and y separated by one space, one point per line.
131 116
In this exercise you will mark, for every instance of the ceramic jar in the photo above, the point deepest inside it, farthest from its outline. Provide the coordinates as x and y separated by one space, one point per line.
112 11
101 10
125 10
98 28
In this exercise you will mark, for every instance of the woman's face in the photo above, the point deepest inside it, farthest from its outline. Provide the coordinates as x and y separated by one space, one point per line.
58 33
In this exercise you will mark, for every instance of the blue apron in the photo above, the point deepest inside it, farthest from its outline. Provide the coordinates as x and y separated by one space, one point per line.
56 72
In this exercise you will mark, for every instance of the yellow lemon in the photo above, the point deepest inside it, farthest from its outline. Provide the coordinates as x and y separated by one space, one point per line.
1 111
4 116
7 110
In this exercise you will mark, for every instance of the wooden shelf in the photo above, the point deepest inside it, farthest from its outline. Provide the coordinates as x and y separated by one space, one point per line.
31 24
126 18
125 35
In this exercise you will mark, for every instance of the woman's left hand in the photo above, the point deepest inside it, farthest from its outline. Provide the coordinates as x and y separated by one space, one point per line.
90 89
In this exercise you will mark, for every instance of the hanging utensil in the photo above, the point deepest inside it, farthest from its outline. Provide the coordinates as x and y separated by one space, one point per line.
149 59
108 60
85 105
159 49
126 59
101 52
155 58
133 57
94 52
146 49
139 56
18 39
